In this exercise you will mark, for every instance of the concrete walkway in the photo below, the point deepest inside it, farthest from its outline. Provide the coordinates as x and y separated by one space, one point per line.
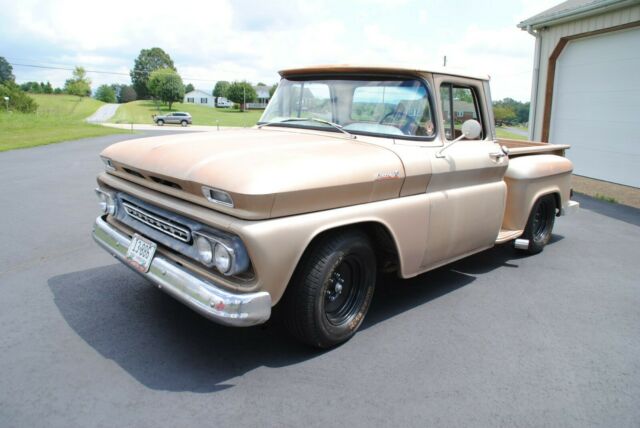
103 114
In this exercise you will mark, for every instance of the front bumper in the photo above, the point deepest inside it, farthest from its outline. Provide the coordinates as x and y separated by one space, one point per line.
201 295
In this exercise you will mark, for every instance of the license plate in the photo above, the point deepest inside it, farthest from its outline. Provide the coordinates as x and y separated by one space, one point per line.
140 253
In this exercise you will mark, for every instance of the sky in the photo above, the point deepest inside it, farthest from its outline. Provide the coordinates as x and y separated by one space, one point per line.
251 40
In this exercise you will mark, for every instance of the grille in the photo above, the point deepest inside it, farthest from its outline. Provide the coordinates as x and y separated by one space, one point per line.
165 226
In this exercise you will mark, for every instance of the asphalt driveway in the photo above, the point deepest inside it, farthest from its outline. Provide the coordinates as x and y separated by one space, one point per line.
494 340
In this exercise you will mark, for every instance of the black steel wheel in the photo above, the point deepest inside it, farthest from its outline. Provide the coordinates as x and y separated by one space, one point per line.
540 224
331 290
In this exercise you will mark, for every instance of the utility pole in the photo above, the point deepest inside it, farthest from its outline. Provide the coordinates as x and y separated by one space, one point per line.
244 97
444 61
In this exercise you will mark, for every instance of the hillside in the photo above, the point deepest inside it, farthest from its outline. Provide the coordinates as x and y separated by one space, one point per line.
59 118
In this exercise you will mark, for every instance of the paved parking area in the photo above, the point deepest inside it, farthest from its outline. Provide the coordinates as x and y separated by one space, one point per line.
494 340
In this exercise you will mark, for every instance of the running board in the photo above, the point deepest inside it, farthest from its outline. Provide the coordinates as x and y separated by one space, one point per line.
507 235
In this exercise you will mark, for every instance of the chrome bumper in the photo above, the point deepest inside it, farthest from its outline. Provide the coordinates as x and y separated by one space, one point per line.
199 294
571 208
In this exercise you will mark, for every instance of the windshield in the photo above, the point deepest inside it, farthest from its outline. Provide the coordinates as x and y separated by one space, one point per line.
394 107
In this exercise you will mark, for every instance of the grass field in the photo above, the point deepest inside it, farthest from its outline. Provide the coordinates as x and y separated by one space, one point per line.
141 111
502 133
59 118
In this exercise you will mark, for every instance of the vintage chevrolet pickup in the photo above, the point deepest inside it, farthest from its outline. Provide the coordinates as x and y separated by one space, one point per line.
350 171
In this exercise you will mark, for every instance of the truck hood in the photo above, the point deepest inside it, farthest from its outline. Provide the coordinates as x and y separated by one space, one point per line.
267 172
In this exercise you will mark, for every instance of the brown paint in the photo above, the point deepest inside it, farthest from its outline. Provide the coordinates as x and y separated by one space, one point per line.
551 70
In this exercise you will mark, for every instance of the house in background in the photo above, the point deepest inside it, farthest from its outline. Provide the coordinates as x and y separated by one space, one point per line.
200 97
262 97
586 90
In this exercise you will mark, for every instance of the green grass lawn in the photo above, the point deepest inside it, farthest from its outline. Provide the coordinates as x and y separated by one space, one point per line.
59 118
502 133
141 112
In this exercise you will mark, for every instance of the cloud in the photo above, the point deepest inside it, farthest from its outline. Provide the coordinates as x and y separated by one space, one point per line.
251 39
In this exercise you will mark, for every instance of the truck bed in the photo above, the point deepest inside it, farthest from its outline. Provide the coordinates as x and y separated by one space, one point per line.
522 148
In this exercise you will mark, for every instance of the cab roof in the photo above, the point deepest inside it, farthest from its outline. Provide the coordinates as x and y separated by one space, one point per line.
386 69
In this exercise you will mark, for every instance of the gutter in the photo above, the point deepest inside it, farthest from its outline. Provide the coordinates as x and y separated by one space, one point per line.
533 104
577 13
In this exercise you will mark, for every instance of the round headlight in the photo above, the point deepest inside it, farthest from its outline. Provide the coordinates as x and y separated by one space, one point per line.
222 258
102 202
205 252
110 206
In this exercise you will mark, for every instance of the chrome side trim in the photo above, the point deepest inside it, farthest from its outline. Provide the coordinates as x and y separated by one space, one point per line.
571 208
211 301
163 225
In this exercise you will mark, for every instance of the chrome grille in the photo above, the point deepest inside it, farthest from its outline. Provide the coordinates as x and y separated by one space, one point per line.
165 226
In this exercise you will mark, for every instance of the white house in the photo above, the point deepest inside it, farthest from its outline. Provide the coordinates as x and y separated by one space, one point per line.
200 97
585 87
262 97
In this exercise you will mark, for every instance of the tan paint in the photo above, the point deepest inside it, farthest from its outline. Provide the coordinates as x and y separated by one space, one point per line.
290 185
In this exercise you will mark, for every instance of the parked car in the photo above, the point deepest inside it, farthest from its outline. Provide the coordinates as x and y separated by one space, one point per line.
350 171
176 117
223 102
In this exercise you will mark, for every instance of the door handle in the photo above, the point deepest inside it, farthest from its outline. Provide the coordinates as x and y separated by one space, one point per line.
497 155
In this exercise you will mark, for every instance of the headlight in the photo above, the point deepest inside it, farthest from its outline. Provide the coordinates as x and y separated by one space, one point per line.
205 251
106 201
222 258
226 254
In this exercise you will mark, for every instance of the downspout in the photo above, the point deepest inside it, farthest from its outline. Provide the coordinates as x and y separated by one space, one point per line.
533 105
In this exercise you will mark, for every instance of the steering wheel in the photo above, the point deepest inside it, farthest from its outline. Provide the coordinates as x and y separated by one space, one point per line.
409 121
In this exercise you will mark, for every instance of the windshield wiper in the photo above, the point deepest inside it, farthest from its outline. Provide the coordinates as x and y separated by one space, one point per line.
309 119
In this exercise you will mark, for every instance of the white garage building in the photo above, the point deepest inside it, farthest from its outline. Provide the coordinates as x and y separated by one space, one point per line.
586 85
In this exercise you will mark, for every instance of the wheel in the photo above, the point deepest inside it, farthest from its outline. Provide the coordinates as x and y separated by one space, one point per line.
160 122
331 290
183 123
540 224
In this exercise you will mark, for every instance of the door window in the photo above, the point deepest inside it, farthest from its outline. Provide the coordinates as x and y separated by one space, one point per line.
459 103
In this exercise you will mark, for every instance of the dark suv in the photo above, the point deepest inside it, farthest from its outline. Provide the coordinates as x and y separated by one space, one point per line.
177 117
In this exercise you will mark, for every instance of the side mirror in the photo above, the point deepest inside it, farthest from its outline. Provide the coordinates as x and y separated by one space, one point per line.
471 130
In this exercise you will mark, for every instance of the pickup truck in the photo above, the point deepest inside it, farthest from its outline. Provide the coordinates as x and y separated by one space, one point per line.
350 171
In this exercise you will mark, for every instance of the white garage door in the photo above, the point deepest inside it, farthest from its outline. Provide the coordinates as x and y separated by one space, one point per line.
596 106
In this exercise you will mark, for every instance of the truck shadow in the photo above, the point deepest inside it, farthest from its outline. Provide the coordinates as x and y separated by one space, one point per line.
166 346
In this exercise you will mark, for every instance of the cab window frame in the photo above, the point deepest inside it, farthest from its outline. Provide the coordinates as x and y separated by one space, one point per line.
476 104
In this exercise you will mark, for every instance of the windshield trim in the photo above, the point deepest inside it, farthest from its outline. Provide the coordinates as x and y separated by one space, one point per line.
360 76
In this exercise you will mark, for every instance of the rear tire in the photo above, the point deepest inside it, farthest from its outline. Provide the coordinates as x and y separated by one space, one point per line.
184 123
540 224
331 290
160 122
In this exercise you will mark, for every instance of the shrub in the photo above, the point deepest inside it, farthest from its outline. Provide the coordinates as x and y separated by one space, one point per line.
18 100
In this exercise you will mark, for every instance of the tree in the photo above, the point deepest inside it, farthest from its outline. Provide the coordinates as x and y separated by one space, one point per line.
18 100
6 71
241 93
79 84
147 62
127 94
189 88
166 85
105 93
504 115
272 90
519 109
220 90
48 89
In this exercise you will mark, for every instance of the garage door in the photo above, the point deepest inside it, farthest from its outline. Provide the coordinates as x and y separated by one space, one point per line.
596 106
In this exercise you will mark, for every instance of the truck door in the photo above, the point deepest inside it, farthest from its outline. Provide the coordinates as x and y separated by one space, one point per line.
466 191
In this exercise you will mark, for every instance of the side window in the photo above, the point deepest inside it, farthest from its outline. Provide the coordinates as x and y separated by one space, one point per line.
459 103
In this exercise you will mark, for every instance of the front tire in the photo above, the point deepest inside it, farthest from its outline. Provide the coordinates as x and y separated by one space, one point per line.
331 290
540 224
